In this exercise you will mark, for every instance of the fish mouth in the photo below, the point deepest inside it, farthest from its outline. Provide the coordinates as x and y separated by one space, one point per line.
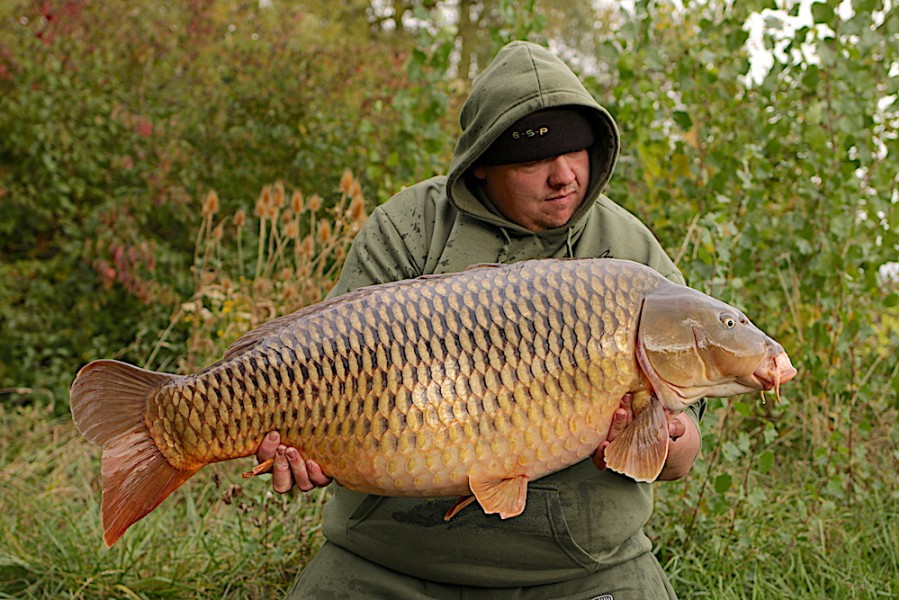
774 371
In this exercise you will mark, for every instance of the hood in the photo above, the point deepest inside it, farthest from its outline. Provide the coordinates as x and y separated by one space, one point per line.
524 78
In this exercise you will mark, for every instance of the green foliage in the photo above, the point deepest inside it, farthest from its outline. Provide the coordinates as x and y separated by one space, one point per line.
777 196
518 21
421 146
115 118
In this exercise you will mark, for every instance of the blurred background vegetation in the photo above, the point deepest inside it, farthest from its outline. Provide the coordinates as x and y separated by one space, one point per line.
172 174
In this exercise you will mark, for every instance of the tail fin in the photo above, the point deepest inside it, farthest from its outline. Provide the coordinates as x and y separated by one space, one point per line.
109 401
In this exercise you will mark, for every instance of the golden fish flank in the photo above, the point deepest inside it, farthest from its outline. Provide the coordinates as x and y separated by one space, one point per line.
470 383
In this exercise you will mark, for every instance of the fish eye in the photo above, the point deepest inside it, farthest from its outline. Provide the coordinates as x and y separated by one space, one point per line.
728 321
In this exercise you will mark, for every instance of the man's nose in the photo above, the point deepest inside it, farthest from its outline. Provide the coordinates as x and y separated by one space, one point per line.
561 172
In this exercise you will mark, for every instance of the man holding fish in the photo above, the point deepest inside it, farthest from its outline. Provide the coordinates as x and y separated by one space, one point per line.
526 182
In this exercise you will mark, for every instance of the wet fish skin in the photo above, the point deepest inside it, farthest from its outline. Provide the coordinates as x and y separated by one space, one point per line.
474 382
403 390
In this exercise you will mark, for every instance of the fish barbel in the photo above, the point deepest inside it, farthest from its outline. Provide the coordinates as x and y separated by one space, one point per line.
471 383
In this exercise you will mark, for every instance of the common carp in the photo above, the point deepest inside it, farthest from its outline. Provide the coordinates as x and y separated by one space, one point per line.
465 384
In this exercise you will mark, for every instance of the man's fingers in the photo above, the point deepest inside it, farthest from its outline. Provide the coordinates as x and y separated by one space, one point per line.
268 447
316 475
289 468
298 469
599 457
676 428
282 478
619 424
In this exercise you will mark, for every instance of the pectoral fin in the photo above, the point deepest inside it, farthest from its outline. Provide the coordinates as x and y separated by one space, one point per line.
506 497
641 449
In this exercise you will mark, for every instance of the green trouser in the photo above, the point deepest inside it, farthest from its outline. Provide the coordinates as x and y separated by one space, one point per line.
336 574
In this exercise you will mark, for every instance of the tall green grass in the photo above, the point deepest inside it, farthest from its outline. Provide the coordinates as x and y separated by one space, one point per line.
756 519
216 537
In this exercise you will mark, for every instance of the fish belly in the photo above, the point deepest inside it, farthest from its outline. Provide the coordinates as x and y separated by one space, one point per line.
410 388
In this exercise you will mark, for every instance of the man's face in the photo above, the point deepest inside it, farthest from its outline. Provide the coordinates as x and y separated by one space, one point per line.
538 195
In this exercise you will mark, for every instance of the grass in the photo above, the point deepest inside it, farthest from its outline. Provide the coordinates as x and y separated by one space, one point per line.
803 524
847 554
218 536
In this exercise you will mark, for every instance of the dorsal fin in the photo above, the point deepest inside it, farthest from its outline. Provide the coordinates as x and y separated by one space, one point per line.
254 336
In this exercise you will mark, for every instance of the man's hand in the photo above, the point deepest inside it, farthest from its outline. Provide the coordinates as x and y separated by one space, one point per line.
623 416
682 450
290 468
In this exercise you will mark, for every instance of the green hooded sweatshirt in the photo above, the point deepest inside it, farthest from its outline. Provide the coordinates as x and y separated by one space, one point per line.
578 520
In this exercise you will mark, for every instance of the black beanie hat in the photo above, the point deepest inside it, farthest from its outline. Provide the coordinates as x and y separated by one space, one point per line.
541 134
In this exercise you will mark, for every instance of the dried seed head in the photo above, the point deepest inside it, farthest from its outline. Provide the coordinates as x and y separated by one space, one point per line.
346 182
308 246
291 229
210 204
262 287
324 232
219 232
357 208
315 202
278 196
240 218
296 202
262 204
355 189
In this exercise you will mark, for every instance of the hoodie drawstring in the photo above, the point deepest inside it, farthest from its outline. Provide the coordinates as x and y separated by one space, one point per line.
504 250
569 244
